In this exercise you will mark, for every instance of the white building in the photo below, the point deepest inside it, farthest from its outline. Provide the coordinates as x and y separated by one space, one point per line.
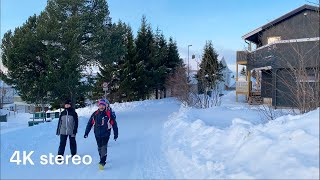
7 93
11 101
226 77
223 85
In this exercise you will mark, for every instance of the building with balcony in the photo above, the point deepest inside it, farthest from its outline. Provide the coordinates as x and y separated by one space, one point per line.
283 55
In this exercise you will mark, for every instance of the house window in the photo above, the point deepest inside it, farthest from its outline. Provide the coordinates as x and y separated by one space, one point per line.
274 39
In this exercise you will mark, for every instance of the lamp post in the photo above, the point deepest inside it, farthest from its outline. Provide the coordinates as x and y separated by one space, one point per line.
188 59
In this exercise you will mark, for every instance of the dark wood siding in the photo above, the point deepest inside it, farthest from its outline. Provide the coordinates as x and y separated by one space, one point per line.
266 84
283 94
302 25
285 90
261 58
242 56
300 54
286 55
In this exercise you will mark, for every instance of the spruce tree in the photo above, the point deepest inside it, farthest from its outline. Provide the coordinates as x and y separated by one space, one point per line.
161 58
127 86
144 60
174 59
111 66
210 71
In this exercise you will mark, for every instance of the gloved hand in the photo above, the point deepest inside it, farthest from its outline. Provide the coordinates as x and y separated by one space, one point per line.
85 136
115 138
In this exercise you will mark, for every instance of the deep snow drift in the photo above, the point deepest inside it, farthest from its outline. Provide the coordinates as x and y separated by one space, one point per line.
164 139
287 147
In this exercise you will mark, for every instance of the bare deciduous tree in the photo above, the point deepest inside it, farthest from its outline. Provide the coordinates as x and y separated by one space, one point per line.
178 86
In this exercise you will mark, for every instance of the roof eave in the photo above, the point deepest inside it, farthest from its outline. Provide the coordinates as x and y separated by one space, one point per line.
281 18
246 36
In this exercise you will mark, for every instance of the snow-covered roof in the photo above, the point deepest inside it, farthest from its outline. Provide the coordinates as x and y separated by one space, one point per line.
224 62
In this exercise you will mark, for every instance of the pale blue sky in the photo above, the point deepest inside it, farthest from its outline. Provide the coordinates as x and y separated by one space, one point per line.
187 21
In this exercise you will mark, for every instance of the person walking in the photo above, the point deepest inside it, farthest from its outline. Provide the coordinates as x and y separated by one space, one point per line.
68 127
102 120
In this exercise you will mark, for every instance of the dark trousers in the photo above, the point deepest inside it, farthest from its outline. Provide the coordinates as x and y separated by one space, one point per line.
102 143
63 142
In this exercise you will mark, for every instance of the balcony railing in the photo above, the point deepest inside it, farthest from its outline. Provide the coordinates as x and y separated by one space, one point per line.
242 86
242 57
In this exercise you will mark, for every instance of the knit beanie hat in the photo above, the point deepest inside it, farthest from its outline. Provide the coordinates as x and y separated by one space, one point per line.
68 101
102 102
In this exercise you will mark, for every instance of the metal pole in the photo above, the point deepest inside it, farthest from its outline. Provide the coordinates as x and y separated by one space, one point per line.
188 60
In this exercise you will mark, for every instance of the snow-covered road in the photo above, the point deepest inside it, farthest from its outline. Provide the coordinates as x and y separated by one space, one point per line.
161 139
136 154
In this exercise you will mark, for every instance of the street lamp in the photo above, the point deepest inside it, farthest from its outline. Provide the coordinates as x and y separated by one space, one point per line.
188 60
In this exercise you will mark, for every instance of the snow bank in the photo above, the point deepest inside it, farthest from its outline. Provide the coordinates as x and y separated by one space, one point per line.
15 121
287 147
126 106
229 98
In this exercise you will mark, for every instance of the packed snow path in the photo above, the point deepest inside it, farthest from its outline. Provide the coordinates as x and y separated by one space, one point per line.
160 139
136 154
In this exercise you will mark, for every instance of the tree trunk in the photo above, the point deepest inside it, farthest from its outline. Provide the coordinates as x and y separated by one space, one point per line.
43 111
157 95
34 114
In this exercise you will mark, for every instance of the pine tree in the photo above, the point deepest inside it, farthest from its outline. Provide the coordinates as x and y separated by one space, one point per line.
210 69
173 60
127 86
144 60
161 57
24 55
71 31
67 36
111 67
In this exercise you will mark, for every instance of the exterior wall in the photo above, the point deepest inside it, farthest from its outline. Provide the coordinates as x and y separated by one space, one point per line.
300 54
286 55
266 84
285 89
282 56
283 95
302 25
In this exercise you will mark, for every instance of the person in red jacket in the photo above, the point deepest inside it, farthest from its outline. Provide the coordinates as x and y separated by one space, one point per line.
102 120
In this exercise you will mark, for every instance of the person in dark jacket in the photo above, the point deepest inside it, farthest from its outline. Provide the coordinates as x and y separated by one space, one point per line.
68 126
103 120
